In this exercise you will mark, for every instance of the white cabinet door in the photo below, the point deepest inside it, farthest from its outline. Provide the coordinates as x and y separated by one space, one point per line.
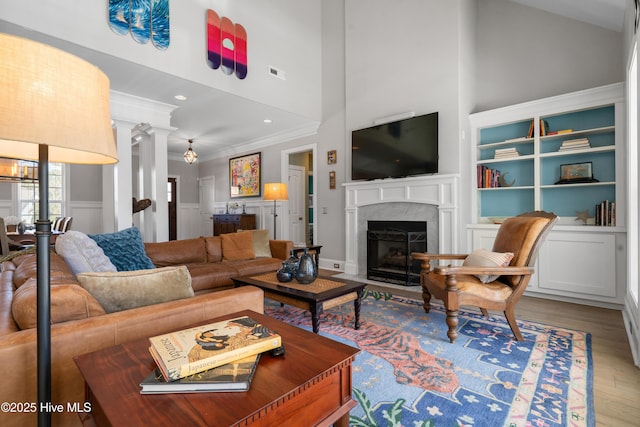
573 263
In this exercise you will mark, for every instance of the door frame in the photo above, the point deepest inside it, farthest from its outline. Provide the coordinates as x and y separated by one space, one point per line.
284 174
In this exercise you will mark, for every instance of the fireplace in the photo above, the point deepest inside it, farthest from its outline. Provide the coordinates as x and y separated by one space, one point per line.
389 248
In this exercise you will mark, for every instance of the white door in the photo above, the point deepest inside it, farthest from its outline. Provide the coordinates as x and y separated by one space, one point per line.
207 203
295 188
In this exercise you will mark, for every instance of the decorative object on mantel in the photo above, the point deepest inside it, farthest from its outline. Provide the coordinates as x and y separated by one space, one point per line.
226 45
190 156
502 182
140 205
245 175
583 216
144 19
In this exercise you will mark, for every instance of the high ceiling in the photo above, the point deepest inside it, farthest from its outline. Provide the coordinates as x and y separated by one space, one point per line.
221 123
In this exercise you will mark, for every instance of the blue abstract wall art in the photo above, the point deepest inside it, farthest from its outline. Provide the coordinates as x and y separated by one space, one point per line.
144 19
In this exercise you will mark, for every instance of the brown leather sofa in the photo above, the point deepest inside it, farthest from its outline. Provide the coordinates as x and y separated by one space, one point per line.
80 326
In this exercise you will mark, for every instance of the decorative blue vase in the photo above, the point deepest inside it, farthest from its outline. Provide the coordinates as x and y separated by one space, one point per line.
285 273
307 270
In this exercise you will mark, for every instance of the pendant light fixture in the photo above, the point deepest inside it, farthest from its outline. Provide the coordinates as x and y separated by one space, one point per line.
190 156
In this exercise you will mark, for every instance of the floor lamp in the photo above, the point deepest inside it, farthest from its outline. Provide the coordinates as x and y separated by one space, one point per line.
275 191
54 107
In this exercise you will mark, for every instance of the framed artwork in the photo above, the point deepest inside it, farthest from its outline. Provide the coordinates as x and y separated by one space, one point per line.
576 172
332 180
245 176
332 157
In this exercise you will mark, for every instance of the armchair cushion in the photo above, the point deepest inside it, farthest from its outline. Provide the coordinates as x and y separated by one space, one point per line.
485 258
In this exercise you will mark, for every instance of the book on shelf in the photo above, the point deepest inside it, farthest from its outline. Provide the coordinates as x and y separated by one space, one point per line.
575 144
606 213
559 132
503 153
234 376
193 350
487 177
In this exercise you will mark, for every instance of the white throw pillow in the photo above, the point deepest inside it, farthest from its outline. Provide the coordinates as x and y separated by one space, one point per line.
82 253
485 258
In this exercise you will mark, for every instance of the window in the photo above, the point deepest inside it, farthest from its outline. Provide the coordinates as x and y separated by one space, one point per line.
28 196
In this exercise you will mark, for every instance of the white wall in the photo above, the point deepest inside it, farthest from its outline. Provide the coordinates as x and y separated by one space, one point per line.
281 33
525 54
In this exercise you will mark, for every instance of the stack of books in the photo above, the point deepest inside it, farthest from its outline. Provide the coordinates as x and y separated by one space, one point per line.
606 213
503 153
488 178
575 144
220 356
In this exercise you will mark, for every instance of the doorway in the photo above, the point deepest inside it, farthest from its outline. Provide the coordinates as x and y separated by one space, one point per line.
305 157
172 196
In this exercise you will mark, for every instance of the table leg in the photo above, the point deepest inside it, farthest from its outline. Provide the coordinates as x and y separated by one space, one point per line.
356 306
316 309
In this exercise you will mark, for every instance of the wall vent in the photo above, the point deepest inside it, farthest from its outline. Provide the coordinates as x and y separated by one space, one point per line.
277 73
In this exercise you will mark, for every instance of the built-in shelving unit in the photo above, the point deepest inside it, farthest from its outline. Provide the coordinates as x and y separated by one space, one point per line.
541 155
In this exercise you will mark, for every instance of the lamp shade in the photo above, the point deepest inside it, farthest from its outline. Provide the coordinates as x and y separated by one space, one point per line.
50 97
275 191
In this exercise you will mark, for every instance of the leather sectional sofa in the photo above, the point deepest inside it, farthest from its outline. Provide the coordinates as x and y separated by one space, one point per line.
80 324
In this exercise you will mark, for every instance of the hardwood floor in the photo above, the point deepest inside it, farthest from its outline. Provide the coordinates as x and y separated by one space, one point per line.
616 380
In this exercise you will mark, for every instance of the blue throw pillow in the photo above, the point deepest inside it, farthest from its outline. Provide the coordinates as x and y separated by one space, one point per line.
125 249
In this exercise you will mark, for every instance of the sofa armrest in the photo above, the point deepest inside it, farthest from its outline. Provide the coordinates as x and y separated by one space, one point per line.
281 248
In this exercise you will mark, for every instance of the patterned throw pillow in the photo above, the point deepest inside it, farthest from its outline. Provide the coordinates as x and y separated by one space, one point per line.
125 249
485 258
81 253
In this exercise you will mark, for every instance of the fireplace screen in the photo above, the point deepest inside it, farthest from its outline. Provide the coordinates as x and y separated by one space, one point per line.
389 247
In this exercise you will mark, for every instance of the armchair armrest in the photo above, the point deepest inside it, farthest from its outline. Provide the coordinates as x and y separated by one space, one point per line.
501 271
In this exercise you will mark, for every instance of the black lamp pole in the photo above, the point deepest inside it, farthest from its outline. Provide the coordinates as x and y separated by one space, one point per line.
275 215
43 239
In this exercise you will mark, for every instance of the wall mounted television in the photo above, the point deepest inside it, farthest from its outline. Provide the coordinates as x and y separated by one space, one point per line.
397 149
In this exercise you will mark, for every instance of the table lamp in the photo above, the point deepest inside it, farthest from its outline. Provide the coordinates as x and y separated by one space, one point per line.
275 191
54 107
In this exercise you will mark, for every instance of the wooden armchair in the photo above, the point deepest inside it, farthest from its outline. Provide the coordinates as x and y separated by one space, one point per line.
460 285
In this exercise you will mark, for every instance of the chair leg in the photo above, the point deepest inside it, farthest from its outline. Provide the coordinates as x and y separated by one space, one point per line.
484 311
426 296
510 314
452 322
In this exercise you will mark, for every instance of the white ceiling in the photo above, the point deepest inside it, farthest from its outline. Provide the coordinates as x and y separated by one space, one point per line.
608 14
221 124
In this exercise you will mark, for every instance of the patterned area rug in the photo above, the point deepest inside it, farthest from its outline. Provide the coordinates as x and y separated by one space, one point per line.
408 374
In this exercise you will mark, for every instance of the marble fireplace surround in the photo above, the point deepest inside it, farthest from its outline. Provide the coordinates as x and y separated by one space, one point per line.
431 198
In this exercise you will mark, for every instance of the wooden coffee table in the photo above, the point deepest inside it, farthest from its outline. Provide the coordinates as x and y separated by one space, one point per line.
322 294
310 385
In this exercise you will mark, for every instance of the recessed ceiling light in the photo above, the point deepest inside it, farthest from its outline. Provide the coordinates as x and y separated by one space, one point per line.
180 97
267 120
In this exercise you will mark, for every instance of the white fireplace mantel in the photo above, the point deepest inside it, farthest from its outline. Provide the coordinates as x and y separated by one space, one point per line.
437 190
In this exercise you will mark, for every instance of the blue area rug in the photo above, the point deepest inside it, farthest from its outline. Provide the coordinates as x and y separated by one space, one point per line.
408 374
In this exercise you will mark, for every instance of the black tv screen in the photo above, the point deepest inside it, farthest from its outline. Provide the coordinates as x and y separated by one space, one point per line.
398 149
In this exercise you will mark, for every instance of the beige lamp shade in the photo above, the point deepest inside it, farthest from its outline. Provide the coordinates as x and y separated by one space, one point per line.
275 191
50 97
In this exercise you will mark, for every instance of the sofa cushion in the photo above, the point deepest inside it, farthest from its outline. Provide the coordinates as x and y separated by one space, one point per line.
176 252
214 248
124 290
485 258
261 246
125 249
82 253
68 302
27 267
237 246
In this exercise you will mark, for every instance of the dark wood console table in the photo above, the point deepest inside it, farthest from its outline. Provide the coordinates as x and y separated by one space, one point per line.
230 223
310 386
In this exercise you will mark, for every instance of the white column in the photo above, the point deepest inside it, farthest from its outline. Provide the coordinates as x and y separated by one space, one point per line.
116 182
153 176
